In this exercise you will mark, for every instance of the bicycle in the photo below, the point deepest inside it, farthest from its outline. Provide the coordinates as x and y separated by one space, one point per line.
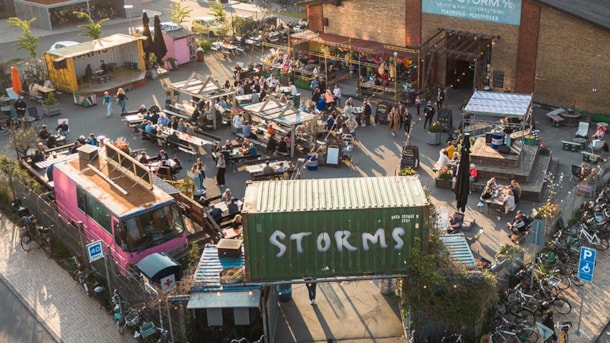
564 327
118 304
32 232
509 332
80 274
593 239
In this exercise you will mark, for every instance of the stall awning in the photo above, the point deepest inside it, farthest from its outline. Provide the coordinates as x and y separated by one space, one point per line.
499 104
458 248
273 110
224 299
95 45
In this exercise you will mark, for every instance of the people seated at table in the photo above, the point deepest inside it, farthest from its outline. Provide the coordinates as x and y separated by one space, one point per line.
487 193
173 123
281 168
236 223
516 188
443 160
474 173
181 125
217 45
233 207
172 139
150 129
74 149
268 169
283 146
143 158
250 150
226 196
175 166
92 140
509 202
217 146
162 156
283 99
600 132
47 83
228 145
43 134
215 213
247 130
103 68
455 223
163 119
491 183
40 154
82 139
20 107
519 224
52 142
142 109
62 128
189 129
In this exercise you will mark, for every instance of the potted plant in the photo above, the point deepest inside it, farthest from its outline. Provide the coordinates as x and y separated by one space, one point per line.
50 105
434 133
443 178
171 63
543 149
510 257
407 171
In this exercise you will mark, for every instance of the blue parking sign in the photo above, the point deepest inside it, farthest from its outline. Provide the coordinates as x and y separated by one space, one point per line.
586 264
95 251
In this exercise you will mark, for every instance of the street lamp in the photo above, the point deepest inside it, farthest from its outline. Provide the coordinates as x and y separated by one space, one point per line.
128 9
395 78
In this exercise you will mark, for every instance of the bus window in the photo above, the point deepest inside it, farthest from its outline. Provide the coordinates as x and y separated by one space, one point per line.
152 228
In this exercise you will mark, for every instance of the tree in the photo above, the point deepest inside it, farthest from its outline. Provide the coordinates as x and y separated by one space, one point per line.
92 29
178 13
218 11
22 140
26 41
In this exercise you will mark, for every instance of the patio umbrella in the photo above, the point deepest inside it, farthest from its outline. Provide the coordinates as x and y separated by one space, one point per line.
147 44
159 47
16 80
462 188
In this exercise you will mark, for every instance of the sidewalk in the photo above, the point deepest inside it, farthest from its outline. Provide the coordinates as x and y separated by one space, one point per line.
51 295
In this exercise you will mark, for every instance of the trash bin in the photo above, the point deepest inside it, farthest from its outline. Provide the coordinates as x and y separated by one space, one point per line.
284 292
296 100
200 55
167 103
312 162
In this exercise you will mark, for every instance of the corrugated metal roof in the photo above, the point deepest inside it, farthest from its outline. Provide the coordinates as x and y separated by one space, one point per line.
499 104
207 274
333 194
107 42
458 248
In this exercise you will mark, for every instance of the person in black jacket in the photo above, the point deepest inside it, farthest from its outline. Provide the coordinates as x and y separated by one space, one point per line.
428 114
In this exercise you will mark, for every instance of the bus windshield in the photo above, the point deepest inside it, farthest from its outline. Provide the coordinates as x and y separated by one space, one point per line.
150 229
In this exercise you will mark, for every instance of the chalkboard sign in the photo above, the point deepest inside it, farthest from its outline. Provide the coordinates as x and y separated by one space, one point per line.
410 157
498 79
445 117
332 155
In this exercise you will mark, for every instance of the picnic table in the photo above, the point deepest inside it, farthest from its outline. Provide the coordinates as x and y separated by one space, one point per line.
184 138
133 119
257 169
55 159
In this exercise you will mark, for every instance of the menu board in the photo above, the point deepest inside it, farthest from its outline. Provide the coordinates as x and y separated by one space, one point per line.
410 157
498 79
445 117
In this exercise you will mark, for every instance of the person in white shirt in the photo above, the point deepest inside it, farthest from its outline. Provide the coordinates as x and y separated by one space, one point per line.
509 202
293 89
218 45
238 123
337 94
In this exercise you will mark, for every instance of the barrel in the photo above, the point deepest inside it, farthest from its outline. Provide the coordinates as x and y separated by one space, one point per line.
530 140
386 287
497 139
284 291
312 162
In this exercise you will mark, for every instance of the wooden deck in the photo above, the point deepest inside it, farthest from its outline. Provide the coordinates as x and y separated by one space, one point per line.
120 78
530 169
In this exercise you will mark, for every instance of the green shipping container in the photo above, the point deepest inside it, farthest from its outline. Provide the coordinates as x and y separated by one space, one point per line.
326 228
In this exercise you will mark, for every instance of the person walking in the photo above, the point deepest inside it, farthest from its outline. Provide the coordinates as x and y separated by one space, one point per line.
418 104
122 98
367 111
221 168
108 102
198 174
311 290
440 97
393 120
428 113
406 121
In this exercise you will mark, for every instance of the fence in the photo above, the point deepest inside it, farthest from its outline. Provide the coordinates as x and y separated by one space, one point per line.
72 237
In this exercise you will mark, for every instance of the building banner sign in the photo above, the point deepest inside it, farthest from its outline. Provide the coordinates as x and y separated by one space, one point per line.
494 11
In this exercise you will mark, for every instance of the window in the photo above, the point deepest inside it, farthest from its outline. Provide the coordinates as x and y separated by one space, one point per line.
150 228
93 209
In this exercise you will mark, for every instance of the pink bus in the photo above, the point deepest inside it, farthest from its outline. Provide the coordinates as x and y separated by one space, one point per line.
114 197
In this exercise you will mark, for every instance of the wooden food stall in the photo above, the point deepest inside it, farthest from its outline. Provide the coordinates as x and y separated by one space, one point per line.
196 86
76 69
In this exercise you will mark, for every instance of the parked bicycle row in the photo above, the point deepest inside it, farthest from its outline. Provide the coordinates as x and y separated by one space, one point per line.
136 318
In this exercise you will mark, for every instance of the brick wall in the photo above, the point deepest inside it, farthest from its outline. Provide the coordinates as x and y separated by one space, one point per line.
368 20
527 47
567 53
504 53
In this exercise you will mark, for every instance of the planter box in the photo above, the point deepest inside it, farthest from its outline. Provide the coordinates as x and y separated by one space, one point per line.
51 110
85 100
433 138
445 184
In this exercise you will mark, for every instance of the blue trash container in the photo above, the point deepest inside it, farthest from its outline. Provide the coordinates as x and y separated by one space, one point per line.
284 291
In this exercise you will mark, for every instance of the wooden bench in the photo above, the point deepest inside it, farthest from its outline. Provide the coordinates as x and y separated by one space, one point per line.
174 114
270 176
520 134
571 146
590 157
555 116
189 150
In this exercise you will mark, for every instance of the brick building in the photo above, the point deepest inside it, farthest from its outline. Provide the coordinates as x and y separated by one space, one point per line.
559 50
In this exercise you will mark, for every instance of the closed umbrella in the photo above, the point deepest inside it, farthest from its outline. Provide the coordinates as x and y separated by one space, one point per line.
159 47
16 80
462 188
147 44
